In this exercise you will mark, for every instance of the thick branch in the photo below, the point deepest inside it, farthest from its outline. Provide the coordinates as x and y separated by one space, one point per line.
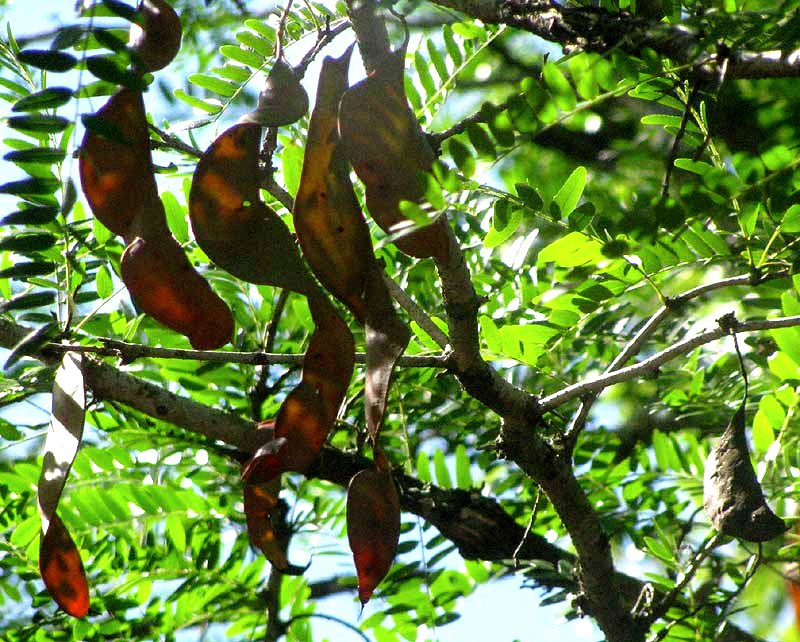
595 29
479 379
521 444
600 593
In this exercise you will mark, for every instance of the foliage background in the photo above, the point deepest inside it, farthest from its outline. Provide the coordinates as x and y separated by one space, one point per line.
558 207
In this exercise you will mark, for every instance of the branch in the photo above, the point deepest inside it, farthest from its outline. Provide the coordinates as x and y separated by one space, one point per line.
520 443
416 313
477 525
595 29
635 345
129 352
479 379
650 365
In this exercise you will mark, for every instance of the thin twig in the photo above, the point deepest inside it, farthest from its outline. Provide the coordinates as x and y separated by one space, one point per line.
260 391
416 313
330 618
324 37
278 191
279 30
170 141
673 152
130 351
650 365
437 138
671 598
527 529
635 344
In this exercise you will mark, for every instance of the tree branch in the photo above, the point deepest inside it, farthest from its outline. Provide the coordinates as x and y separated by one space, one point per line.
477 525
635 344
129 352
595 29
479 379
650 365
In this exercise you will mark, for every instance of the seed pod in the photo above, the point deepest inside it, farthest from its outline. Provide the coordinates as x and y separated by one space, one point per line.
373 527
163 284
156 40
733 498
283 100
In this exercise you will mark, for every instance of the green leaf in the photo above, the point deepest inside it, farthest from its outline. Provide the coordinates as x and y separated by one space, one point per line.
463 475
571 250
27 242
47 155
563 93
105 286
176 532
453 49
38 124
198 103
571 191
261 28
791 220
461 156
696 167
424 467
440 468
47 60
437 59
31 186
243 56
763 433
115 8
28 301
491 335
25 531
28 269
292 160
424 74
108 69
50 98
658 549
262 46
481 141
495 237
529 196
35 215
176 217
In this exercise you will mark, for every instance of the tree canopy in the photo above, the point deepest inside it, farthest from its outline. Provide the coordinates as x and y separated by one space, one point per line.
447 291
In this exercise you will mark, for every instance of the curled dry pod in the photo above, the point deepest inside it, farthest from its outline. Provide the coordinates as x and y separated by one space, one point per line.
233 226
373 527
115 166
327 217
283 100
733 498
163 284
391 155
156 38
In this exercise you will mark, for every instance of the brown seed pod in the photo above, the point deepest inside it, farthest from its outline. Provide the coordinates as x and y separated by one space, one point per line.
156 40
733 498
283 100
373 527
